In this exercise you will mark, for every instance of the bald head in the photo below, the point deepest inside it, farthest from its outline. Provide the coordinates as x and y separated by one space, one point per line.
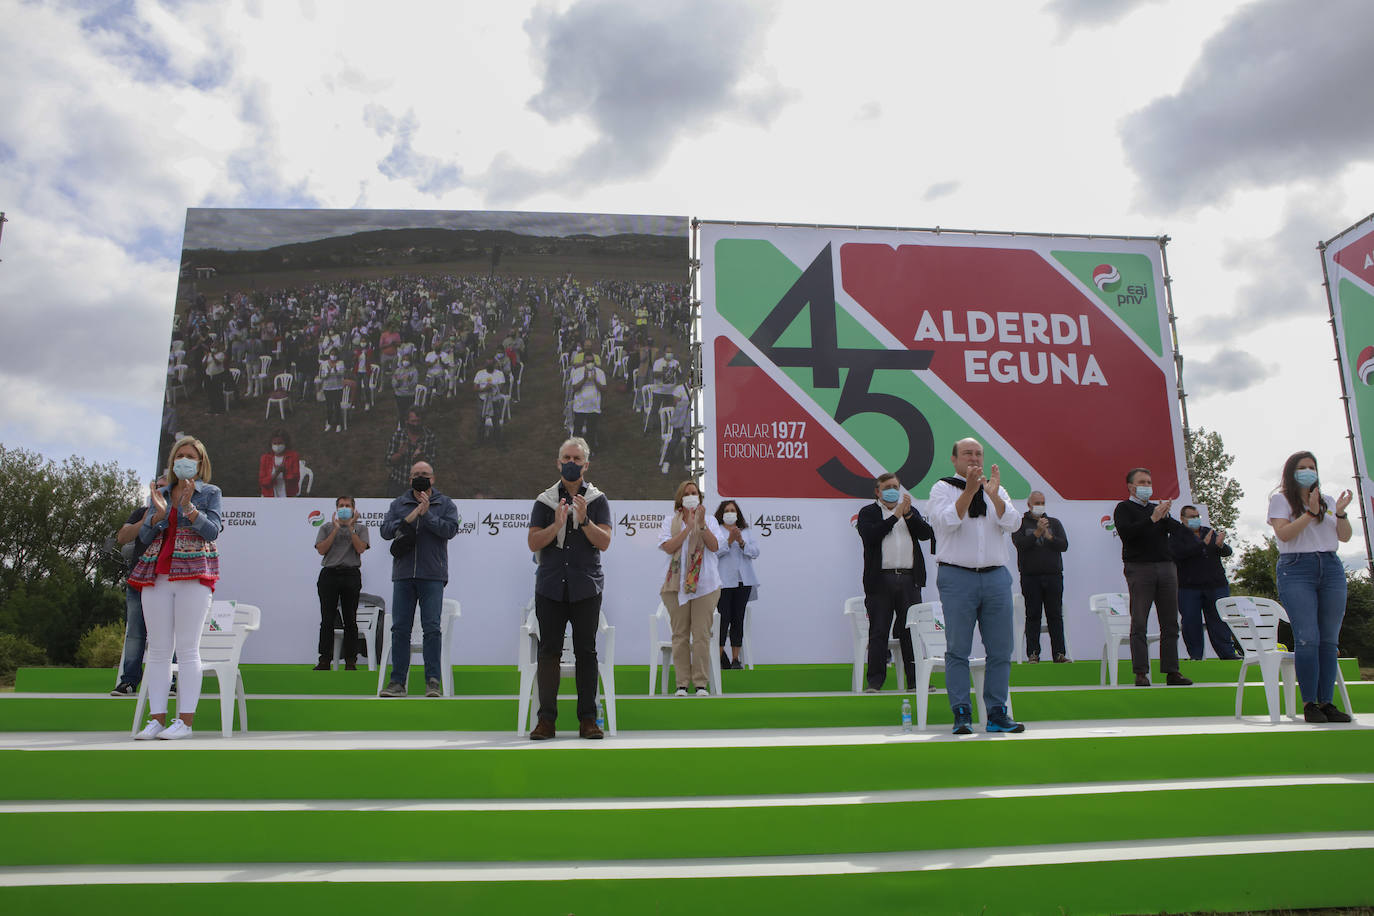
967 454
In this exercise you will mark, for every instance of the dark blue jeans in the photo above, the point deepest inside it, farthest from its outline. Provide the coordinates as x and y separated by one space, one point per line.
1312 590
135 639
1199 605
405 593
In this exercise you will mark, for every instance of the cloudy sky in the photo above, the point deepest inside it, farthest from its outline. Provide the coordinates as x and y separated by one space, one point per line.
1234 128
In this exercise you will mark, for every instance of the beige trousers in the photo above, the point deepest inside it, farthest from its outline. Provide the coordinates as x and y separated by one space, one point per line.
693 620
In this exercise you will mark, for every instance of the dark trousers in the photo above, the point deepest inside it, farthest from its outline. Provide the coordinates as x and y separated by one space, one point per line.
1045 593
731 605
339 587
554 617
1196 605
887 607
333 406
1157 584
585 425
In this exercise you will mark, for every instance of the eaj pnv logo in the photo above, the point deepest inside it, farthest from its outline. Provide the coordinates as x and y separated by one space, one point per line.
315 518
1106 278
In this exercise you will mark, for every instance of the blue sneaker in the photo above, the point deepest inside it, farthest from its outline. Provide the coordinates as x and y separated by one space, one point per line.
999 721
963 720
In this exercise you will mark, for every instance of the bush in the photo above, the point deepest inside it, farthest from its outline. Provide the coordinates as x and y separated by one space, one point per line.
15 653
101 647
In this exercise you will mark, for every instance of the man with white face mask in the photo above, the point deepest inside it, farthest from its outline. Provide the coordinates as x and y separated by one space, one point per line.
1040 544
1144 528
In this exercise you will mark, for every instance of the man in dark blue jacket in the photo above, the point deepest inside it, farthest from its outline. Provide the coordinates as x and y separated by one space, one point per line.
1198 551
420 523
894 573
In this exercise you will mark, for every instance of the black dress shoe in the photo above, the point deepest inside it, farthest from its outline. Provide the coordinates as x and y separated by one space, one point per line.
322 666
1333 713
1142 680
1174 679
1311 712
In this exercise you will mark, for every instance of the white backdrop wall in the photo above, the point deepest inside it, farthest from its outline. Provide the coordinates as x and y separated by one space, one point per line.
810 562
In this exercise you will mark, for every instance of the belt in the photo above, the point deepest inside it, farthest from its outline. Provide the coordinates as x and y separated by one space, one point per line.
972 569
900 572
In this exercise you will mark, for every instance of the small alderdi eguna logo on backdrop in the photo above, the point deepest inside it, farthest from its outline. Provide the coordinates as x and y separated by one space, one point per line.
1106 278
315 518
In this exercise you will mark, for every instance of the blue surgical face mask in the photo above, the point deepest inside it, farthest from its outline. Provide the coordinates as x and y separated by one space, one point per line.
571 471
1194 522
891 494
1305 477
1144 492
185 468
344 513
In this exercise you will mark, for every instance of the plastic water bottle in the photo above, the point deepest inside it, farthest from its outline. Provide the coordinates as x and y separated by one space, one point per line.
906 716
601 714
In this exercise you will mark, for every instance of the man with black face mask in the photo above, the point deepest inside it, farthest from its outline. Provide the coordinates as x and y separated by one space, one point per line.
421 522
569 527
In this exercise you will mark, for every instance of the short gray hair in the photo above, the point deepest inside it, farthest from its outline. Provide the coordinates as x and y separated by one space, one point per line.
580 443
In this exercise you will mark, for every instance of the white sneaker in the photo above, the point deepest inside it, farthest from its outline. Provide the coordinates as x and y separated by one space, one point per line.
665 467
326 427
701 692
338 429
151 730
177 730
681 692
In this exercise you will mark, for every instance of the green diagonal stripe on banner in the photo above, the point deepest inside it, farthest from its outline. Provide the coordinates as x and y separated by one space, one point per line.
1357 325
1128 292
752 275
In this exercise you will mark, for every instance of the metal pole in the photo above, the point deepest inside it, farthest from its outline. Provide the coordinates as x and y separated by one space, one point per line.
1173 333
695 380
1345 400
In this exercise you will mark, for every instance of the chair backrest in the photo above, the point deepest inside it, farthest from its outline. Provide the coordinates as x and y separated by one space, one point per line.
927 621
347 400
373 374
265 361
665 420
283 381
855 611
1254 621
1113 610
450 609
307 479
219 645
661 626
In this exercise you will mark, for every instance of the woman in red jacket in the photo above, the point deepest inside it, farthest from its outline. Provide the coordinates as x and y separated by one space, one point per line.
279 470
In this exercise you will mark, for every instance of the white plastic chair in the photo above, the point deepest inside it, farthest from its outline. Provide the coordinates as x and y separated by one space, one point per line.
450 612
926 621
374 379
280 396
421 396
1255 623
219 655
346 404
307 479
371 615
529 665
1113 610
661 650
746 649
259 378
858 629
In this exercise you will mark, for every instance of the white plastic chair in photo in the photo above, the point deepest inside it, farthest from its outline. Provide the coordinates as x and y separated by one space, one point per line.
857 614
529 665
371 615
665 432
421 396
451 611
220 650
259 377
307 479
280 396
926 621
1255 623
374 380
1113 610
346 404
661 650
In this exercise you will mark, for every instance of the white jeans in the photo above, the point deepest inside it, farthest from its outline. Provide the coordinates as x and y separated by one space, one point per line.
175 614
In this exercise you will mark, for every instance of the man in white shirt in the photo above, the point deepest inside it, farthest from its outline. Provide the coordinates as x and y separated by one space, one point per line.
972 516
587 381
488 383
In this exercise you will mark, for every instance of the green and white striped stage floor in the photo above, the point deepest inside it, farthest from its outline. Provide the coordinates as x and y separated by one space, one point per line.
782 796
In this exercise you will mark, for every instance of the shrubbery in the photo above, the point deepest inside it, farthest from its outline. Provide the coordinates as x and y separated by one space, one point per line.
15 653
102 646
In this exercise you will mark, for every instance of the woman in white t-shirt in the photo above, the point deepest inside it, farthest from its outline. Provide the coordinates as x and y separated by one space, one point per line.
691 585
1311 579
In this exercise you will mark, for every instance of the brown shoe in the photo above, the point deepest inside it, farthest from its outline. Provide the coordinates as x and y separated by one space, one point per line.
587 728
543 730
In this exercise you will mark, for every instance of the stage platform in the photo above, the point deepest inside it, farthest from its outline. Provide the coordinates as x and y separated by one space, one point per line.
767 799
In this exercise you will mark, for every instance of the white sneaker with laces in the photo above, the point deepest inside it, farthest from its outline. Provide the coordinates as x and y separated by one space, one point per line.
681 692
176 731
150 731
703 691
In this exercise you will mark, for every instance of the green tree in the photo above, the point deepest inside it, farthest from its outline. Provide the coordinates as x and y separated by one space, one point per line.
1254 572
1208 463
53 584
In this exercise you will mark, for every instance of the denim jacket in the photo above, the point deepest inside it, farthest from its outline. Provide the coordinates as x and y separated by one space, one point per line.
207 501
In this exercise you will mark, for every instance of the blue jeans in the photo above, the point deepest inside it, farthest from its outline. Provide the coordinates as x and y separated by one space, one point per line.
404 595
1199 605
985 599
135 638
1312 590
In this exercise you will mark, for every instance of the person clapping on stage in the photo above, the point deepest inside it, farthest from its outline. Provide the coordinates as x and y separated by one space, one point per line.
341 542
691 585
735 564
1311 579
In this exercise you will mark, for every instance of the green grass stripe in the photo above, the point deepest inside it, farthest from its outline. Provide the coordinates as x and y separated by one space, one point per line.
1216 884
20 712
606 771
479 680
513 836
